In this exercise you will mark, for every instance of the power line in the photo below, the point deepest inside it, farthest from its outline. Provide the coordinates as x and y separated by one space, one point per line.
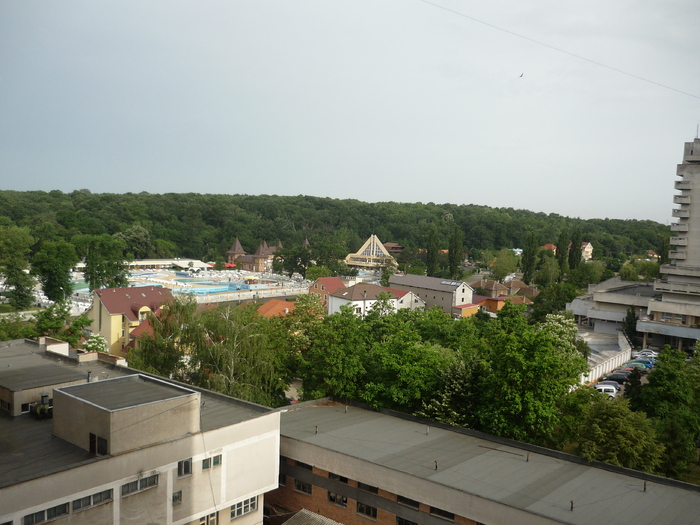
558 49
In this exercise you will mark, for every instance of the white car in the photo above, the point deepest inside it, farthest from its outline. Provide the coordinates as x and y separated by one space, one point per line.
608 390
645 353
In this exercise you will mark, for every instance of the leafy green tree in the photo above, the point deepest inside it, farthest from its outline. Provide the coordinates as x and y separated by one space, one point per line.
15 244
506 263
575 250
664 250
433 250
295 259
386 274
548 271
552 299
455 253
105 266
137 242
612 433
233 355
333 363
530 369
315 272
55 321
16 327
629 272
53 265
529 258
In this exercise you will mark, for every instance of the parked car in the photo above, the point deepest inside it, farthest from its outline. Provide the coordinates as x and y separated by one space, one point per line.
619 376
646 353
614 384
608 390
649 363
632 365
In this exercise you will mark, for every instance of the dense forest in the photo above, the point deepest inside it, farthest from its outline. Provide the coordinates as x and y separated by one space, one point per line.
204 226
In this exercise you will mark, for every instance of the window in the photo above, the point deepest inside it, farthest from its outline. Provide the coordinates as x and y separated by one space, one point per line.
300 486
303 465
150 481
338 499
139 485
95 499
82 503
366 510
184 467
177 497
5 405
101 446
368 488
282 480
216 460
442 513
25 407
36 517
404 521
342 479
206 464
58 510
406 501
208 520
244 507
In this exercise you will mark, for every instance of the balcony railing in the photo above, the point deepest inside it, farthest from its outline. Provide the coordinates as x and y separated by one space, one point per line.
676 254
681 199
679 241
679 227
682 184
681 213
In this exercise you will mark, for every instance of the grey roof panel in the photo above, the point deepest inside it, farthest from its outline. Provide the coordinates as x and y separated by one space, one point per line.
494 469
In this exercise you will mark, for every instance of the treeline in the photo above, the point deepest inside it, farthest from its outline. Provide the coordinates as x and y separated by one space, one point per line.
503 376
204 226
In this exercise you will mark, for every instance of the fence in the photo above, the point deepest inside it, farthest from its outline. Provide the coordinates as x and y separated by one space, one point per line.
613 362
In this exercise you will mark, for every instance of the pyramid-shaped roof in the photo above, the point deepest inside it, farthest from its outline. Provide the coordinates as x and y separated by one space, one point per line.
236 248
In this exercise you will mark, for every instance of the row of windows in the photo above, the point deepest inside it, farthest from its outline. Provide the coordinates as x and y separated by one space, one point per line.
139 485
62 509
184 467
362 508
48 514
244 507
91 501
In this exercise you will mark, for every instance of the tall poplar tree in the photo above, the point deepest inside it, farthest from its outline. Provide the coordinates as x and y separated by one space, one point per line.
575 250
529 258
563 249
456 253
432 252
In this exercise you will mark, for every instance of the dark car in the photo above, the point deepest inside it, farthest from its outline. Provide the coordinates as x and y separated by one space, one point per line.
619 376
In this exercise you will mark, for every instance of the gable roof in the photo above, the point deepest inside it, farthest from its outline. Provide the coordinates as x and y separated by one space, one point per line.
275 307
128 301
488 284
428 283
331 284
362 291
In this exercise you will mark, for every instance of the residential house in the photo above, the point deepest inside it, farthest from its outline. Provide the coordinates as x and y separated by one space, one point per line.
323 287
275 308
549 246
363 296
358 466
586 251
372 255
116 312
443 293
125 447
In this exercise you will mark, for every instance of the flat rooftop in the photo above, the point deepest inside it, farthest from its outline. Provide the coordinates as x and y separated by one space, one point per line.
126 392
496 469
29 448
22 367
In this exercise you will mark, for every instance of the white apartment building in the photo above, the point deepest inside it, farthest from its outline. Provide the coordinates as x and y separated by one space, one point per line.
131 448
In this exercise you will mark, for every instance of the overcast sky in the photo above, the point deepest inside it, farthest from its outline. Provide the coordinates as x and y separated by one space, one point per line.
373 100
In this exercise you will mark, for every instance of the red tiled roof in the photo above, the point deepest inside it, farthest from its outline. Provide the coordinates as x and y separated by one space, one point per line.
275 307
128 301
331 284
